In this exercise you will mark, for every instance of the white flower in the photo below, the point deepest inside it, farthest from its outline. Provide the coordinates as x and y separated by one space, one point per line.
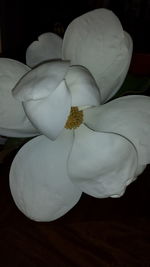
101 156
100 150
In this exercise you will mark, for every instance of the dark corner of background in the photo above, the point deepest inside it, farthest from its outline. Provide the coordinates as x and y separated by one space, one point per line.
22 21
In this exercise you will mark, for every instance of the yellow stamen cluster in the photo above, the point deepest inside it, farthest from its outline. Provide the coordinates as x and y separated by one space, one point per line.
75 118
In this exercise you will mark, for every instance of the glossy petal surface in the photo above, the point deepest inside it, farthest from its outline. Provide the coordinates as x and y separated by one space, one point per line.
82 86
97 41
48 46
38 179
50 114
101 164
13 120
128 116
41 81
115 75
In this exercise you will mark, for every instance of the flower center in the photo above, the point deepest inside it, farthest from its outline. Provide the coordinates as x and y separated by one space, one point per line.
75 118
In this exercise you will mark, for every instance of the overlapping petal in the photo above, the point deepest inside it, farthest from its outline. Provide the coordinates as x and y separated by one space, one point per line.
13 120
39 181
45 97
48 46
83 88
49 91
128 116
102 164
97 41
50 114
41 81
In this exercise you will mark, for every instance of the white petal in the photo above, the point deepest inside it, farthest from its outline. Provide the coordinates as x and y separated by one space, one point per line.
13 121
101 164
140 169
49 115
41 81
38 179
83 87
97 41
112 79
48 46
128 116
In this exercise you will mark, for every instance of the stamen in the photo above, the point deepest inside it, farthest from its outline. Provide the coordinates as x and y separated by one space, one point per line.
75 118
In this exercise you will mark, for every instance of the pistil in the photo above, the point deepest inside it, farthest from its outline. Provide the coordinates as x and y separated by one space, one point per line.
75 118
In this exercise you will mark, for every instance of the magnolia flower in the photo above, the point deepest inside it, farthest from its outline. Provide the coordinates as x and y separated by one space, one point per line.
105 151
84 146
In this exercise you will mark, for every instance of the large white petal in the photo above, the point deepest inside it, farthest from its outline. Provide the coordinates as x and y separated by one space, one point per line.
82 85
128 116
97 41
38 179
101 164
13 120
41 81
50 114
48 46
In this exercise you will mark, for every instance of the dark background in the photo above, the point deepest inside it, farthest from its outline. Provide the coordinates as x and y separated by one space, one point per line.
22 21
